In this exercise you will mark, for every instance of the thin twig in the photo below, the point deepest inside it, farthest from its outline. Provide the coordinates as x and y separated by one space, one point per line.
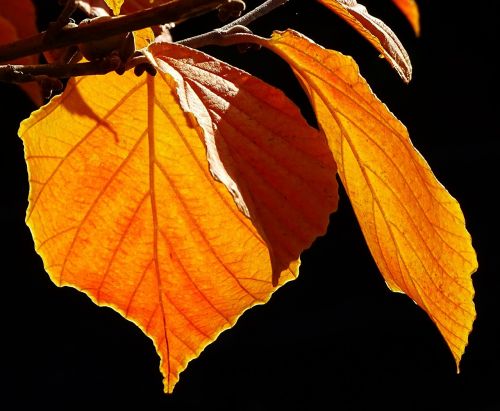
217 36
256 13
13 73
173 11
230 34
230 37
69 8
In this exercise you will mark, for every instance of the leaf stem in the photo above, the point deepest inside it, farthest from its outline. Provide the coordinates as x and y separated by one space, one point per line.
175 10
236 35
256 13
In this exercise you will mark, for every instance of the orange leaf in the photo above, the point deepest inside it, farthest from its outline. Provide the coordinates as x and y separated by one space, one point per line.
21 14
123 207
376 32
410 10
414 228
291 204
17 21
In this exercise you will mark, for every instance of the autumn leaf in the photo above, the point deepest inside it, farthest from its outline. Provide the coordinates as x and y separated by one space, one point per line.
114 5
227 112
376 32
17 21
21 14
143 38
410 9
123 206
414 228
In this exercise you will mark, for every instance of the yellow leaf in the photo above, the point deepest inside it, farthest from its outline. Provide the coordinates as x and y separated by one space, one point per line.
376 32
414 228
114 5
410 10
143 38
123 207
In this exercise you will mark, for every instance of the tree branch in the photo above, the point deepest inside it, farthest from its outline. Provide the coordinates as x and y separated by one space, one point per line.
256 13
175 10
230 34
14 73
219 36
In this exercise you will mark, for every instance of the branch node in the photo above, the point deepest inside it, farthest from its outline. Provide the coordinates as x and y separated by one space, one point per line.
63 20
231 10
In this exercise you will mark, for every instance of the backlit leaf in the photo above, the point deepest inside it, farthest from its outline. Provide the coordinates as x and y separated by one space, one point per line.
123 207
414 228
241 121
143 38
376 32
114 5
17 21
410 10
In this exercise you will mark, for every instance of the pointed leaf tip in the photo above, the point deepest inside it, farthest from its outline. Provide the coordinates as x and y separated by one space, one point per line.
115 5
414 228
123 205
410 9
376 32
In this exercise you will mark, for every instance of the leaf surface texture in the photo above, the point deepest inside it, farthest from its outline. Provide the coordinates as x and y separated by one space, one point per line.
414 228
123 205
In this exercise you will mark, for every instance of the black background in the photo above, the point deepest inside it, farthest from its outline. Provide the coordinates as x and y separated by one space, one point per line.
336 338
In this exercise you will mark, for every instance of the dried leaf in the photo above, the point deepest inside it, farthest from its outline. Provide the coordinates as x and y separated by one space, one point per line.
376 32
123 207
410 9
414 228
